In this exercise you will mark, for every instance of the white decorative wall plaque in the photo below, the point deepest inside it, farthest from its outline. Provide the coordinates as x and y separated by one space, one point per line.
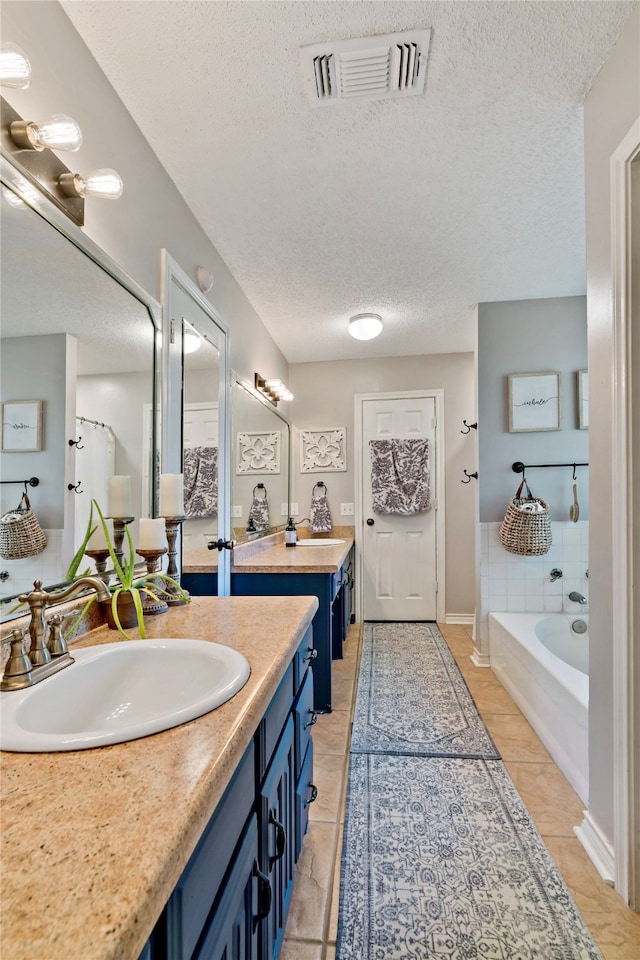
323 451
258 453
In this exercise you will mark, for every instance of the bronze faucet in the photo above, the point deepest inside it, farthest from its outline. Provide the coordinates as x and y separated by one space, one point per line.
22 669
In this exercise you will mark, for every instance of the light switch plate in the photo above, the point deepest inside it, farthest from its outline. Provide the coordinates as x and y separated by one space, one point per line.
346 509
236 511
284 509
295 509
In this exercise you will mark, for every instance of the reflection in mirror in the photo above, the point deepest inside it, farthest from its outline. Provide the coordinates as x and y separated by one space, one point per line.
76 340
260 476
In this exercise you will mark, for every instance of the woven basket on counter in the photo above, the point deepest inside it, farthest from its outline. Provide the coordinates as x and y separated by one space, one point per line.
20 533
526 528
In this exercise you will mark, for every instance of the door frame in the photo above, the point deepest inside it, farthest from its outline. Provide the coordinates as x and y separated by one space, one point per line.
437 395
626 552
173 274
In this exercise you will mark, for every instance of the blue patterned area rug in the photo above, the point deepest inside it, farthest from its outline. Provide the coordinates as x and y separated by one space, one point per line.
442 862
412 698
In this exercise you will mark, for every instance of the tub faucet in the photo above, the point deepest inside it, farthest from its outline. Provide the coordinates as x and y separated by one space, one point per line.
555 574
577 597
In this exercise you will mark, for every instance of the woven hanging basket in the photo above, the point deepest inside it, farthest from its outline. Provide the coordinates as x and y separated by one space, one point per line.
20 533
526 528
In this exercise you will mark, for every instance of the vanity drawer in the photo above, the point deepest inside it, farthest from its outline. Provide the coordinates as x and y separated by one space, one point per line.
304 658
306 793
305 718
271 725
190 904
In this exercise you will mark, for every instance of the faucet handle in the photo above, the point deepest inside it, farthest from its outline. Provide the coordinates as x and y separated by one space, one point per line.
18 663
56 644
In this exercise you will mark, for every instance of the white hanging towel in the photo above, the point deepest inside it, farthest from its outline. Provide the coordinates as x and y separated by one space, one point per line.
400 476
200 468
319 512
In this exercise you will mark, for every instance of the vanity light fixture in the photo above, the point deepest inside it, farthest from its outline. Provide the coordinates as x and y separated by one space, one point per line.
274 390
15 69
365 326
105 184
58 132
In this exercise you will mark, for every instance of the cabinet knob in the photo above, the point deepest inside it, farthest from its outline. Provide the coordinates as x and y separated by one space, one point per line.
314 719
312 654
314 793
370 522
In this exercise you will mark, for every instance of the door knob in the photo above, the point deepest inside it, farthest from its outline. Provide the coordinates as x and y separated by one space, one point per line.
370 522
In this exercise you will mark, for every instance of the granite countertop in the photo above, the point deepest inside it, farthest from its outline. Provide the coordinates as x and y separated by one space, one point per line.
94 841
279 558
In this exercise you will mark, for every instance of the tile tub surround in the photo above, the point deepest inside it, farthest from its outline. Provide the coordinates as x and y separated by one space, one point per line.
93 842
514 584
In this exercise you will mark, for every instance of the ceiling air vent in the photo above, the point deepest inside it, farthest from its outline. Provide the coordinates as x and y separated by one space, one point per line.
366 68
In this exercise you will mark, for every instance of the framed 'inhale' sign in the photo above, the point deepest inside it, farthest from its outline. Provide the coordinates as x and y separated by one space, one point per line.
534 401
21 426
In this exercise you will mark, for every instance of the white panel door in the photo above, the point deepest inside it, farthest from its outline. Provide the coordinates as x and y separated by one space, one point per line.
399 552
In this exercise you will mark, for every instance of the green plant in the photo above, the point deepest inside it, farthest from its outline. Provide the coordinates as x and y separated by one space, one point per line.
129 583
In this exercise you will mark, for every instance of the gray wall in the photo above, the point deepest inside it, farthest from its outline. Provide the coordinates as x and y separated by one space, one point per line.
519 337
46 360
151 213
324 397
612 105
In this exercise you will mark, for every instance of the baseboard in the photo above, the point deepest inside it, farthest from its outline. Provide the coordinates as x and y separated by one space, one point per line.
468 619
480 659
598 848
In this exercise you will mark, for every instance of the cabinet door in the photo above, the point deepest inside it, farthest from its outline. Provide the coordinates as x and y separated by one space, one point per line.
276 805
232 932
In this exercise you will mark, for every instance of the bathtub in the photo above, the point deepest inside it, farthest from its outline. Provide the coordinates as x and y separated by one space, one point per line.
543 665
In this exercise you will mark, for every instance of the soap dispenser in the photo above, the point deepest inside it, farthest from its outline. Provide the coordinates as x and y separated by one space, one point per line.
290 533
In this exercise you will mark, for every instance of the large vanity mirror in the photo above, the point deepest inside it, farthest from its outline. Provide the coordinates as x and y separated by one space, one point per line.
260 439
78 348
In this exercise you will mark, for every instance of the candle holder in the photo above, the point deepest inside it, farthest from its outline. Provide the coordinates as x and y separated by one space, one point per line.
149 605
119 523
173 598
100 559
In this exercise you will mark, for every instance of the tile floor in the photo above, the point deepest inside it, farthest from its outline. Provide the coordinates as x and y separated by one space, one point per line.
311 928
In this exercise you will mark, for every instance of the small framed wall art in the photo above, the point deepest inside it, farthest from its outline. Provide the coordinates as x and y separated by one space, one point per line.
582 378
323 451
534 401
21 426
258 453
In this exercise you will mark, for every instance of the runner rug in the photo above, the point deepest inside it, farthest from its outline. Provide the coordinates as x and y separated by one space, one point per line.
412 698
441 860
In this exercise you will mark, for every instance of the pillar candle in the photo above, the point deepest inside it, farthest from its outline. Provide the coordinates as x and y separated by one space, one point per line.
171 495
152 535
97 540
119 497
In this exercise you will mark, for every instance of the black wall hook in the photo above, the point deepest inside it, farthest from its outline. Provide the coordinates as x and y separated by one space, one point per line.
75 487
469 426
76 444
468 476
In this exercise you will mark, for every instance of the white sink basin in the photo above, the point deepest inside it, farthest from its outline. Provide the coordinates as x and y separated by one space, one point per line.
319 542
121 691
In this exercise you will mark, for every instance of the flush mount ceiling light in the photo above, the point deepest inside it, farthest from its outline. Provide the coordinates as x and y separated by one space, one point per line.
55 133
365 326
191 339
105 184
15 69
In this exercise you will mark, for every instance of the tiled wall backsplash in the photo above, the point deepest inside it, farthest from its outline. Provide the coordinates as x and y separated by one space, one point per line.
523 584
45 566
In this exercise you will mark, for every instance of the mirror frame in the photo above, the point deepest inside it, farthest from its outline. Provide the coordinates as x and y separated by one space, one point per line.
237 380
12 178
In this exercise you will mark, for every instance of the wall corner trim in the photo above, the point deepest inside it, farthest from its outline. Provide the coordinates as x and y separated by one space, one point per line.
597 847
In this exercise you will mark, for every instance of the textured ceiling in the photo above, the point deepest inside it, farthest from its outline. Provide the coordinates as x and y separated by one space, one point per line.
416 209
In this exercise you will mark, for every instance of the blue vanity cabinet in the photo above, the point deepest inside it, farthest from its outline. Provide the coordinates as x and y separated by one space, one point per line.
232 898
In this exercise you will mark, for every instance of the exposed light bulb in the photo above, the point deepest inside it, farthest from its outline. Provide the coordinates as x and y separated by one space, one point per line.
365 326
15 69
55 133
105 184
